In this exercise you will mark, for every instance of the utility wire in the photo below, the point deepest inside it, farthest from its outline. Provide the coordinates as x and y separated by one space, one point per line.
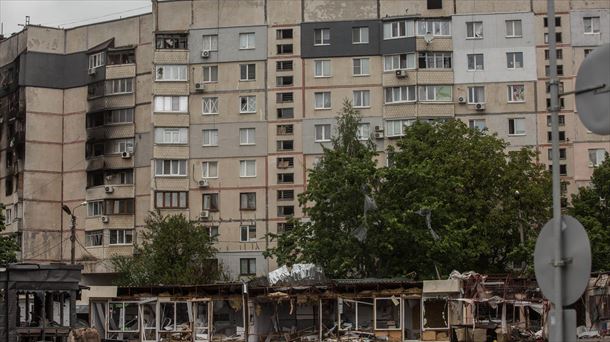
98 17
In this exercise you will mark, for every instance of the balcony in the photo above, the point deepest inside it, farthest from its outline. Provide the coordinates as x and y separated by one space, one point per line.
120 71
110 191
109 161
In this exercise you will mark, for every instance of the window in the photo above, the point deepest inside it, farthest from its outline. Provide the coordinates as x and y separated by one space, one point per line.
213 232
210 137
284 129
587 52
119 86
117 57
247 168
210 202
246 41
283 227
557 21
95 208
125 177
477 124
285 178
247 72
96 60
516 126
119 206
210 73
562 153
514 60
398 29
171 135
119 146
399 94
178 104
171 73
436 93
285 145
561 102
591 25
209 169
283 34
547 70
247 200
597 156
476 94
563 171
561 119
434 4
284 97
210 105
557 37
321 36
435 60
121 237
475 62
171 199
387 314
246 136
285 113
210 42
360 66
474 29
396 128
364 131
247 266
559 54
322 68
435 26
285 162
397 62
248 234
247 104
362 98
284 49
516 93
562 136
513 28
283 81
322 132
360 35
285 210
118 116
322 100
171 41
283 65
94 238
285 195
170 167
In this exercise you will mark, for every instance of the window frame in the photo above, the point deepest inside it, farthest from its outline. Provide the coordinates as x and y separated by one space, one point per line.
250 135
250 269
245 231
511 92
250 40
474 25
212 103
513 28
435 87
474 124
360 29
390 133
598 161
360 66
249 198
205 169
121 233
182 100
326 133
473 94
516 132
212 134
176 69
177 195
177 135
248 102
514 60
592 26
181 165
398 58
326 99
475 59
362 95
243 168
98 234
403 90
245 69
212 203
322 40
212 43
97 60
325 72
428 56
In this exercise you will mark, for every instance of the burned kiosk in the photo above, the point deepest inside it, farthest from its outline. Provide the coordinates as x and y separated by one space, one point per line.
38 302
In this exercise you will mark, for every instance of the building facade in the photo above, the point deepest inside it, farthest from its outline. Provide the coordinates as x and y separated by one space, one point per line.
217 109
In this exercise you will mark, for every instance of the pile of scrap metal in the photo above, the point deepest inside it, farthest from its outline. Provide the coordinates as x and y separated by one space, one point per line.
596 306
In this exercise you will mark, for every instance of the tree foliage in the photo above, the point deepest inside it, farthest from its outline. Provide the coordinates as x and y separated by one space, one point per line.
174 251
480 200
591 206
8 244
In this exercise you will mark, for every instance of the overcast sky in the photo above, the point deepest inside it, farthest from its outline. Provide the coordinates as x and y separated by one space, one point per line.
66 13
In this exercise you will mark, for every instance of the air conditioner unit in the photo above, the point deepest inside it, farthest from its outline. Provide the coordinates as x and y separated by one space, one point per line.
479 106
461 99
109 189
205 54
91 72
378 129
204 183
105 219
401 73
378 134
126 155
205 215
199 87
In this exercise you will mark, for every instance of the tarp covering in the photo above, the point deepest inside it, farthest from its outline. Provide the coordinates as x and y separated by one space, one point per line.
297 274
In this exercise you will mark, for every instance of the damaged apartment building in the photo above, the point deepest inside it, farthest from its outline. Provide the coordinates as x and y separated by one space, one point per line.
216 110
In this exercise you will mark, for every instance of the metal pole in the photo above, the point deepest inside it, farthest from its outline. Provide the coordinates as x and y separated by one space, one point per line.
72 238
554 90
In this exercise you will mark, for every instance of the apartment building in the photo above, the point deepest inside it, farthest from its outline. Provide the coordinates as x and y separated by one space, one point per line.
217 109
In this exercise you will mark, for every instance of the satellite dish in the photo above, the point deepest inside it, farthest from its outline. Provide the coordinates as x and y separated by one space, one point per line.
428 37
593 91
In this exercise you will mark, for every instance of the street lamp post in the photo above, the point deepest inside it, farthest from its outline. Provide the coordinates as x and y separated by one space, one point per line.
67 210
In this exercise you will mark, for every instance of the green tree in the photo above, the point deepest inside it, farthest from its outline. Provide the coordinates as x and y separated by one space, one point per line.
591 206
8 245
174 251
334 203
480 201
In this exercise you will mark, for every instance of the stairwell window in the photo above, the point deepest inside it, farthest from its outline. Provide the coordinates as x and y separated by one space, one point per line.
170 167
474 30
514 60
321 36
247 41
516 126
476 94
516 93
247 168
247 104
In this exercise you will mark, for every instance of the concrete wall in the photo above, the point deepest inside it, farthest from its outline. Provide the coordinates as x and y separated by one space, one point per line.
577 27
228 44
228 140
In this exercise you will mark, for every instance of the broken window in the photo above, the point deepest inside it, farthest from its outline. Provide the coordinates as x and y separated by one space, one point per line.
228 320
149 321
387 313
123 320
201 321
435 313
328 315
174 316
356 314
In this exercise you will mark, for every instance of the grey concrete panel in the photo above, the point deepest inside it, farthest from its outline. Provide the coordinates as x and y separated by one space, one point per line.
228 140
310 146
401 45
228 45
53 71
143 149
340 39
577 27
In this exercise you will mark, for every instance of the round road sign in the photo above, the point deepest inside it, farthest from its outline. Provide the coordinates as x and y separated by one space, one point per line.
594 105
